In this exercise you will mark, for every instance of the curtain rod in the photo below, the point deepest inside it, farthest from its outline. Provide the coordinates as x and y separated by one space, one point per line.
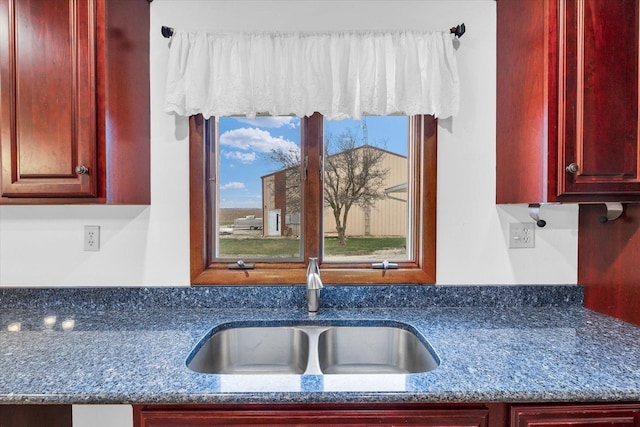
458 30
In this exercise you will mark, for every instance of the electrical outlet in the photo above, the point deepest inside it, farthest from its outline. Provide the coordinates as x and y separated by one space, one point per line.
91 237
522 235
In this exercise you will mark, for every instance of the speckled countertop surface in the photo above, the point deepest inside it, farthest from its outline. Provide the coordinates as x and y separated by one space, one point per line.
130 345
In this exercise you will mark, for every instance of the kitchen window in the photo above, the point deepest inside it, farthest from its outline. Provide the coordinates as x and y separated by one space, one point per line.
270 192
343 75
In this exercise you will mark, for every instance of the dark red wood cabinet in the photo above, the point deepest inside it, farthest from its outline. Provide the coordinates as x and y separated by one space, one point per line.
74 101
318 415
379 414
17 415
567 101
608 257
385 414
576 416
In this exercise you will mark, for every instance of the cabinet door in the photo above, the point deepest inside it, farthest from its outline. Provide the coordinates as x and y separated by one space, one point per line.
598 97
35 415
335 417
47 98
576 416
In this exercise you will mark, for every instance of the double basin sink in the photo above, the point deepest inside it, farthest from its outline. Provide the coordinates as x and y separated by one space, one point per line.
313 350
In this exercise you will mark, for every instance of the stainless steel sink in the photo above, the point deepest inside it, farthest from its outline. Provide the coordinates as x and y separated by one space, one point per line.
253 350
373 350
313 350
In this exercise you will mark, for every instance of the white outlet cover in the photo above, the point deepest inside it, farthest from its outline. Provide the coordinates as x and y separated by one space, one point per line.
522 235
91 238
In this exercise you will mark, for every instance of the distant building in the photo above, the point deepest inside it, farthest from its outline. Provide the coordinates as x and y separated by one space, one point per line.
387 217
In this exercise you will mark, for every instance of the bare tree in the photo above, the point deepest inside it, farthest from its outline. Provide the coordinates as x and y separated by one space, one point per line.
353 175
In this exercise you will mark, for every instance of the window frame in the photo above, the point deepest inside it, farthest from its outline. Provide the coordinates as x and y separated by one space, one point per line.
205 272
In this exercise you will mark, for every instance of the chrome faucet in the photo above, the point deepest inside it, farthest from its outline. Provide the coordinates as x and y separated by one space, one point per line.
314 284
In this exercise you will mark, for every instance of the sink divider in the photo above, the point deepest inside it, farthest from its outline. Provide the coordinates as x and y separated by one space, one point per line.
313 361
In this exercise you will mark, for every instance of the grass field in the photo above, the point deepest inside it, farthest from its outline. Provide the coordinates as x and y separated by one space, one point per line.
260 247
290 248
363 245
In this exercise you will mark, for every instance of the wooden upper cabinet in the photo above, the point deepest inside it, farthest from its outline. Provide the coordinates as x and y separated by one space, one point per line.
48 98
598 95
74 101
567 96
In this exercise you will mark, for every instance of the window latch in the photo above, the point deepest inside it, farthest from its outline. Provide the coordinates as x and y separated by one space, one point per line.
306 168
241 265
384 265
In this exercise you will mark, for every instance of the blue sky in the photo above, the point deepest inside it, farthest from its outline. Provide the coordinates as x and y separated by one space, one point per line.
244 143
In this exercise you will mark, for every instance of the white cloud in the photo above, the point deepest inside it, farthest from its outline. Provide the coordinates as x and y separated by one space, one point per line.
271 121
257 140
235 185
238 155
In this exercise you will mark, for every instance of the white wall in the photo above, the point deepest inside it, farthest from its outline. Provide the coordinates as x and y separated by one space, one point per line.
102 416
149 245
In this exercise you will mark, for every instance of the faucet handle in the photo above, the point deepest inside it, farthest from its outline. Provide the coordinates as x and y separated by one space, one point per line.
313 274
314 284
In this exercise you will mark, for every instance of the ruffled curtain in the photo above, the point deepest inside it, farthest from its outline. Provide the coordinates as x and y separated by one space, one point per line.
339 74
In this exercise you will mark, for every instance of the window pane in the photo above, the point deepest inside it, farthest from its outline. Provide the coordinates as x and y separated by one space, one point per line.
367 179
259 208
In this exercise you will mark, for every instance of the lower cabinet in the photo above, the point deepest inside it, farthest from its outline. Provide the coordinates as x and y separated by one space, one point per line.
576 415
22 415
428 415
320 415
371 414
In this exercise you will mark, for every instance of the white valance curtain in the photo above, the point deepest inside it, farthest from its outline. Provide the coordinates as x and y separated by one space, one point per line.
338 74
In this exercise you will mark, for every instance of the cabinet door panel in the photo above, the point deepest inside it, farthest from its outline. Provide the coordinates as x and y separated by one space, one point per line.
335 417
576 416
20 415
599 96
522 134
47 101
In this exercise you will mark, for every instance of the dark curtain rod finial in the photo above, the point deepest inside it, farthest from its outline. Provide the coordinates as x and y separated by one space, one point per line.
459 30
167 32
